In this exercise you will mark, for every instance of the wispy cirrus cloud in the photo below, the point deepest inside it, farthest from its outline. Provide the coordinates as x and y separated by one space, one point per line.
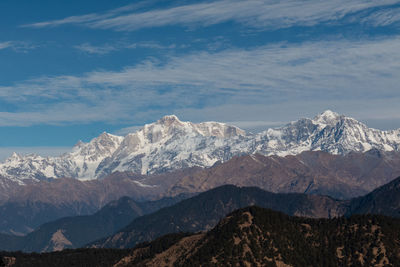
383 17
92 49
108 48
279 74
17 46
4 45
87 18
267 14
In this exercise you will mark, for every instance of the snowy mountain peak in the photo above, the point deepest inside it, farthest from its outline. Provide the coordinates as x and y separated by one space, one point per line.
79 144
168 120
327 117
330 113
100 147
220 130
105 138
104 135
171 125
169 144
14 156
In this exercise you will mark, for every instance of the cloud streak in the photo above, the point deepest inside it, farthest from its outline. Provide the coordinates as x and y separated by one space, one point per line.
267 15
87 18
311 73
17 46
92 49
4 45
383 17
108 48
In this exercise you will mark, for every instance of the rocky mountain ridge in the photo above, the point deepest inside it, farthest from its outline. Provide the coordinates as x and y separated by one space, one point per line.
23 208
170 144
310 172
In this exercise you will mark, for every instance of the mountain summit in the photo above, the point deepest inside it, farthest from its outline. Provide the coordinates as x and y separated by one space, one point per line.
328 117
169 144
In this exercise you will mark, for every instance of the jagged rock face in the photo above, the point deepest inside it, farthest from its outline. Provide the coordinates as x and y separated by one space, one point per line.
170 144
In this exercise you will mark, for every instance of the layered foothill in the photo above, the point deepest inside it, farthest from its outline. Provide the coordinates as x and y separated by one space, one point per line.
249 236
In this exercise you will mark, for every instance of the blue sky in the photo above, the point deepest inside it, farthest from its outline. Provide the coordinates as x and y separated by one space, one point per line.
73 69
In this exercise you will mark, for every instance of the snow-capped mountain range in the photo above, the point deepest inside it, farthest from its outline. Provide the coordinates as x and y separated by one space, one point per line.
170 144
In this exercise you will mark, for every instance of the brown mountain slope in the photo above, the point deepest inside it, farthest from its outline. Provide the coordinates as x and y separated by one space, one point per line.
342 177
98 192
